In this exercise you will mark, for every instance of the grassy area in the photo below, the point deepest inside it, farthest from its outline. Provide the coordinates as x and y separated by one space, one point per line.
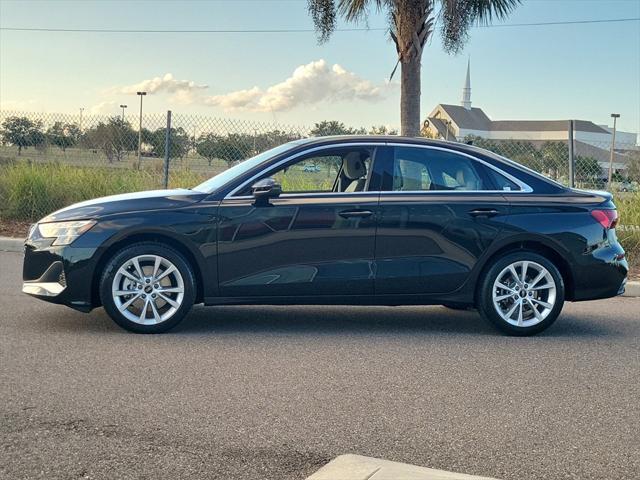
90 158
629 211
29 191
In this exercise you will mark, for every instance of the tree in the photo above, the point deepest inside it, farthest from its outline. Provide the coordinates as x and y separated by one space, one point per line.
179 142
272 138
411 24
22 132
587 169
63 135
633 168
114 138
230 148
333 127
382 130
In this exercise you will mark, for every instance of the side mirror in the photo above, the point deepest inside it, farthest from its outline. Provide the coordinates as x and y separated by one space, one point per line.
265 189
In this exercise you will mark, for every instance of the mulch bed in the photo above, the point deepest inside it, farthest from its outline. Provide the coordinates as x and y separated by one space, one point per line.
14 228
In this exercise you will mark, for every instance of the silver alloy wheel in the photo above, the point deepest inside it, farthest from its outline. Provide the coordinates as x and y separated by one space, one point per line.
148 289
524 293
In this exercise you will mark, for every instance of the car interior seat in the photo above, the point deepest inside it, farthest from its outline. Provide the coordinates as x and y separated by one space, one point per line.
354 172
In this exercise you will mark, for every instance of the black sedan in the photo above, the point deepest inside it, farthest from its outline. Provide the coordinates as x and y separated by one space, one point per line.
376 221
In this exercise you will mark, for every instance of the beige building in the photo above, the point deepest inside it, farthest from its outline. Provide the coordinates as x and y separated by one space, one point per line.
456 122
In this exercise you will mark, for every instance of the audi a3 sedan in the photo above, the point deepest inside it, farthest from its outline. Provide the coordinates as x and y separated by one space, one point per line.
376 221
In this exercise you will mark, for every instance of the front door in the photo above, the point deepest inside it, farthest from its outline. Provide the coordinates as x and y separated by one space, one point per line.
439 210
316 238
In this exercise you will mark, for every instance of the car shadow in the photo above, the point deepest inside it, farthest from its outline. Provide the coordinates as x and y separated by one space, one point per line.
365 320
329 320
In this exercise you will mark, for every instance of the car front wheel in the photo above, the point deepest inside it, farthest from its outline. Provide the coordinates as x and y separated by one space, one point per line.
147 288
521 293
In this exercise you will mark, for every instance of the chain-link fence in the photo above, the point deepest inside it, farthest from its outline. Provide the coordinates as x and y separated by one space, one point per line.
51 160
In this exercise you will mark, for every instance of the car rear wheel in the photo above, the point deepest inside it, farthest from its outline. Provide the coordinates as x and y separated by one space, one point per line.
147 288
521 293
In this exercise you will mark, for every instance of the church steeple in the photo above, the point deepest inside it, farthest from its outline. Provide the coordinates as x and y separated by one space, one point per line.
466 91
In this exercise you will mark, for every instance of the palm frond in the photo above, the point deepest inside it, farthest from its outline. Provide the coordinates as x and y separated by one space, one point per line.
356 10
323 13
457 16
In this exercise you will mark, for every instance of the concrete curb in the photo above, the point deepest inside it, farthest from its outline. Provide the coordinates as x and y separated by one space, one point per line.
9 244
632 289
356 467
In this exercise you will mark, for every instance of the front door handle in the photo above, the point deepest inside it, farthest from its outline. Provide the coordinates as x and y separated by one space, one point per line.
355 213
483 212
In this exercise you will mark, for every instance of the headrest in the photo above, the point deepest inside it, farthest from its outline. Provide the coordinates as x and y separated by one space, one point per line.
466 179
353 167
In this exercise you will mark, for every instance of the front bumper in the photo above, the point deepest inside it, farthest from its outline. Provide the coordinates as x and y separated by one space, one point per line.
60 274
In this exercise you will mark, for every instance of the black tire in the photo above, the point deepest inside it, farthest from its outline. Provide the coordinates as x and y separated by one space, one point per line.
487 309
147 248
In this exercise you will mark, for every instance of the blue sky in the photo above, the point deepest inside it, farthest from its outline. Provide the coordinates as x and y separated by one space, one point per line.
552 72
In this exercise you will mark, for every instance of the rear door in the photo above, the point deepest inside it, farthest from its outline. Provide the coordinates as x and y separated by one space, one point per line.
439 211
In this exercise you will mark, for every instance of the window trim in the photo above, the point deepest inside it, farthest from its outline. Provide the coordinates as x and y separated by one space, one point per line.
524 188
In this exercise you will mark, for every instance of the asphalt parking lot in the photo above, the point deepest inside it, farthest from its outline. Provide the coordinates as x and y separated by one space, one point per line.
275 392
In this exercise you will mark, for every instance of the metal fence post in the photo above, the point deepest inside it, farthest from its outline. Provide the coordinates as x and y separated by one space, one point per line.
167 148
572 159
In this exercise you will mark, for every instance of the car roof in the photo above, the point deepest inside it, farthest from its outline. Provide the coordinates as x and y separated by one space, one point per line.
337 139
373 138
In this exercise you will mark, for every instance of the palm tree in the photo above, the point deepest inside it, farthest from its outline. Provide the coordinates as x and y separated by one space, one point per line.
411 23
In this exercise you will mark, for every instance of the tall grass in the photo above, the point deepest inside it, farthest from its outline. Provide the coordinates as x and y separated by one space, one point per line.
629 230
29 191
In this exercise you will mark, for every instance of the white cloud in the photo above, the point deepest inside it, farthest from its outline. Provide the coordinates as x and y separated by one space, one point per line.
103 108
166 83
309 84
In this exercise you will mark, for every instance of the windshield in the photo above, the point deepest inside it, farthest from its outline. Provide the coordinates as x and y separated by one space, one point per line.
214 183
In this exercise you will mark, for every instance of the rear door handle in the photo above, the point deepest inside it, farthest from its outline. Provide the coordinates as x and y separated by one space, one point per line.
355 213
483 212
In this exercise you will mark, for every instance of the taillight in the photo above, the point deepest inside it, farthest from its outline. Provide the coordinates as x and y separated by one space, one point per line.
606 218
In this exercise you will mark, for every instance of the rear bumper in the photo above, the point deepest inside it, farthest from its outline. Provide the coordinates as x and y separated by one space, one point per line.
59 274
601 274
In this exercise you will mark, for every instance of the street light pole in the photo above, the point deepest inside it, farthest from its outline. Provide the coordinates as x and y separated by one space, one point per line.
142 94
123 107
80 122
615 116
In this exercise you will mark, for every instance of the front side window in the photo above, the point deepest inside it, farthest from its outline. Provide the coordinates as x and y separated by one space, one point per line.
328 171
424 169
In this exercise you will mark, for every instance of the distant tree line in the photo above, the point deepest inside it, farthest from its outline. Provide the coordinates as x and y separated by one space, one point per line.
116 138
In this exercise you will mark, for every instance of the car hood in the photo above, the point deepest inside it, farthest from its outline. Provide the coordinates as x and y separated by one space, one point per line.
127 202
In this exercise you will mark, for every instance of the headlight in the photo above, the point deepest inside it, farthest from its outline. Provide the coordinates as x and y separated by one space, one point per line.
64 232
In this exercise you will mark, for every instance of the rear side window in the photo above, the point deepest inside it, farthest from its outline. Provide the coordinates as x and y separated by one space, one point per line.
416 169
501 182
